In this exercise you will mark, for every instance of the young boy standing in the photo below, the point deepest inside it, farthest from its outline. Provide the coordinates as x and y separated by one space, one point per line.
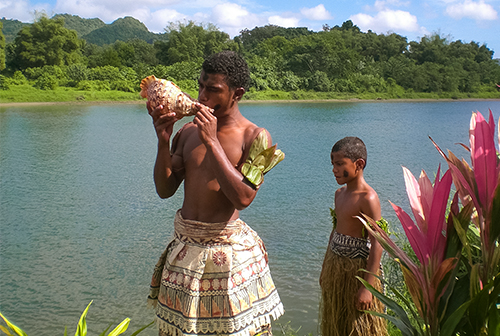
343 296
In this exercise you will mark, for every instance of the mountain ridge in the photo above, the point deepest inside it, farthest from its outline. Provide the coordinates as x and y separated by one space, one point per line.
92 30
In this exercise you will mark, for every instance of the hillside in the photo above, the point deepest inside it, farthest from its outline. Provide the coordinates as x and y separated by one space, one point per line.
93 30
122 29
11 28
82 26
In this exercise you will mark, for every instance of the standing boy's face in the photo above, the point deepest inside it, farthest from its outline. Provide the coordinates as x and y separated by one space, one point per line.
214 92
344 169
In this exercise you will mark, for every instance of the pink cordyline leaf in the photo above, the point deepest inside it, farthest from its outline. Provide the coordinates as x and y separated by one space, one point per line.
498 132
420 245
483 157
394 250
415 197
436 222
426 191
462 174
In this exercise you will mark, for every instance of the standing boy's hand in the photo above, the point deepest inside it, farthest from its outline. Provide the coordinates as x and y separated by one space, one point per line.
364 299
163 122
207 124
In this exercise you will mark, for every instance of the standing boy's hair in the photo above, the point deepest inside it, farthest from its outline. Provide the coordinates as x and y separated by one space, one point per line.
353 148
232 66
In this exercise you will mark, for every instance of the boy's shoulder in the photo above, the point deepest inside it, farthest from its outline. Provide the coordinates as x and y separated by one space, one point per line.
363 197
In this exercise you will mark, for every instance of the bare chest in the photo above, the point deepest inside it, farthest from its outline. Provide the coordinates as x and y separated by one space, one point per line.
197 158
347 210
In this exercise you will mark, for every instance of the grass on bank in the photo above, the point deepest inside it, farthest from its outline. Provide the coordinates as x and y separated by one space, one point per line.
28 93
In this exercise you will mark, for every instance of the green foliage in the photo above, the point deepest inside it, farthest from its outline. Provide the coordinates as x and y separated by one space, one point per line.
105 73
11 28
46 82
251 38
81 328
261 159
57 72
77 73
18 78
285 63
122 29
320 82
94 85
191 42
28 93
80 25
2 48
46 42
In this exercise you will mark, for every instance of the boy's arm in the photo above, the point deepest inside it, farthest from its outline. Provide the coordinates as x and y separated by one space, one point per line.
365 298
168 173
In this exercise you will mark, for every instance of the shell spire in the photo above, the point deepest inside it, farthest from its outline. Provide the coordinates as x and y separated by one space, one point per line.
162 92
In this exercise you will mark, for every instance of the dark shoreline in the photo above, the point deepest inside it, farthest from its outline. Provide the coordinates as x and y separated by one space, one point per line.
354 100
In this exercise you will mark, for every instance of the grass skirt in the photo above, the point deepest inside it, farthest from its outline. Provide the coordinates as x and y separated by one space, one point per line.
214 279
339 288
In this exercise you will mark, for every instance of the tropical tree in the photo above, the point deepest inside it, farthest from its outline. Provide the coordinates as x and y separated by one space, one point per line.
192 42
2 48
46 42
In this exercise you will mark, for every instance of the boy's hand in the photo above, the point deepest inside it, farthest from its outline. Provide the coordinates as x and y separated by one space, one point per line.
163 123
207 124
364 299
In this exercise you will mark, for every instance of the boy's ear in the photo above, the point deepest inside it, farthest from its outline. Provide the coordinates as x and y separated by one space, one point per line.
360 164
238 93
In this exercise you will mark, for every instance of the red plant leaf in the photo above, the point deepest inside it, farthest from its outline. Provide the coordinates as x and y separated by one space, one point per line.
416 238
415 197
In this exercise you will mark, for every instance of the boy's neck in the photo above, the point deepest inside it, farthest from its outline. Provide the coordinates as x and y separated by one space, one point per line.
356 183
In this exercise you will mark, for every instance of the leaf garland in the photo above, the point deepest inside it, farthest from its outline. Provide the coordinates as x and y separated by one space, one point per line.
261 159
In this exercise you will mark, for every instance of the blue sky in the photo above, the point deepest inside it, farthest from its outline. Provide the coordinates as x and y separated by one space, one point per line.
466 20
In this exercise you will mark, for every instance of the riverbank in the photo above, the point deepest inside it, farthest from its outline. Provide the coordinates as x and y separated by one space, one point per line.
287 101
26 95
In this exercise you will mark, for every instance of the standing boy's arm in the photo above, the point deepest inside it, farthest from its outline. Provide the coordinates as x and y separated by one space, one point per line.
166 176
365 298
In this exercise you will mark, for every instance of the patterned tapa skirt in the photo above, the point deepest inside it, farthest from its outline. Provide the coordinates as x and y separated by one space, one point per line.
214 279
344 258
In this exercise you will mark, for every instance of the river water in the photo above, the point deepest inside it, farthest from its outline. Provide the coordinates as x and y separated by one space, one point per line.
80 219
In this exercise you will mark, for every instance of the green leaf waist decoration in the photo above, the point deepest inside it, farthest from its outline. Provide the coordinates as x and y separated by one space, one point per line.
261 159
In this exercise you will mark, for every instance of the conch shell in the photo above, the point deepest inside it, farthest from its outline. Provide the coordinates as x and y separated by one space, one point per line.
162 92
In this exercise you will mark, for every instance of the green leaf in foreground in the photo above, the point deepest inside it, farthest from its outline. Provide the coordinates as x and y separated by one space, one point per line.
121 328
15 328
401 319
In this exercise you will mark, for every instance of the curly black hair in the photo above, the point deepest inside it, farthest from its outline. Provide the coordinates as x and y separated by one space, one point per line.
232 66
353 147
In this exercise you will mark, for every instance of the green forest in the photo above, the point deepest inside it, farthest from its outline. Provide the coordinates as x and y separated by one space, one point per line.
70 58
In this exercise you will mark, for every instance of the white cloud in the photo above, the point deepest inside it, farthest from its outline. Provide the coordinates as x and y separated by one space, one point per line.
286 22
22 10
317 13
474 10
387 20
232 18
110 10
230 14
160 19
